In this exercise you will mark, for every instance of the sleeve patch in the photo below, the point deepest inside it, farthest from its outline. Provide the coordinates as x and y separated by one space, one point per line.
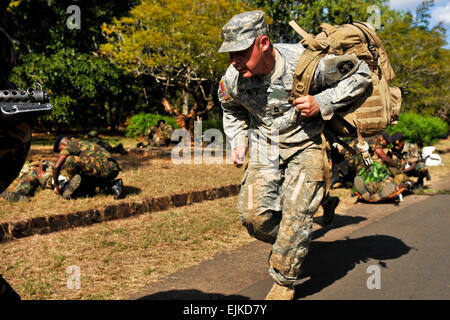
223 94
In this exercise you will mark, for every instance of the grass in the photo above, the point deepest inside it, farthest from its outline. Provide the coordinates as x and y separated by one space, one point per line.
117 259
142 176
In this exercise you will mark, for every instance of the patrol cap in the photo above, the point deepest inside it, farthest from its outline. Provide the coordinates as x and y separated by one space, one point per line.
240 32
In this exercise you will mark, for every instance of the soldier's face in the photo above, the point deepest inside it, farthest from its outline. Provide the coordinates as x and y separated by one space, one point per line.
248 62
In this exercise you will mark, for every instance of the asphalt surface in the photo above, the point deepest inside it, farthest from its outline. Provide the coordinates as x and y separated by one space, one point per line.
408 250
401 251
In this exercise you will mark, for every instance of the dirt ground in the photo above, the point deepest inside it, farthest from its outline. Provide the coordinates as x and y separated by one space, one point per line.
118 258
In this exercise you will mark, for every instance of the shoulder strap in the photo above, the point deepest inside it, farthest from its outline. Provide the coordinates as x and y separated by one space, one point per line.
304 73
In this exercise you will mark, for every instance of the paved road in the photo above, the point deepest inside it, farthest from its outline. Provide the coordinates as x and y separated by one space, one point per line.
408 245
408 249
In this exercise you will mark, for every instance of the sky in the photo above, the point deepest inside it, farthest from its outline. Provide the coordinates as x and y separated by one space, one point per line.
439 12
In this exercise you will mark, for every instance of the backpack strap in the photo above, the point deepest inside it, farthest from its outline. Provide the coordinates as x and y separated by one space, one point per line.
304 73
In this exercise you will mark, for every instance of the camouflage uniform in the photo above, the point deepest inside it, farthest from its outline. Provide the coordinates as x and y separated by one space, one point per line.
408 156
159 136
93 137
31 180
90 161
277 201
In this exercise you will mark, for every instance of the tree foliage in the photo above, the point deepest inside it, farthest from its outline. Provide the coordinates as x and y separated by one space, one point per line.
309 14
419 60
175 42
86 89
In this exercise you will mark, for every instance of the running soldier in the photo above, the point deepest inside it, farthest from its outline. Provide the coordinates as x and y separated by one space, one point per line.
280 194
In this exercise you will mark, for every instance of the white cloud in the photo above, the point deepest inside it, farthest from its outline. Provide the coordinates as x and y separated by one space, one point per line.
441 14
404 4
412 5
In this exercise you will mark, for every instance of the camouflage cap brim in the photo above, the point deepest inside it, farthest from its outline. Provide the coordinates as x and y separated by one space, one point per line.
233 46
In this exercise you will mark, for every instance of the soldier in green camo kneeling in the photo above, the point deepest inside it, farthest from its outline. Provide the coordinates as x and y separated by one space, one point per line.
88 166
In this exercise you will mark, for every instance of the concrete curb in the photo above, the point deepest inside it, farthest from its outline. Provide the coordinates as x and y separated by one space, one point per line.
42 225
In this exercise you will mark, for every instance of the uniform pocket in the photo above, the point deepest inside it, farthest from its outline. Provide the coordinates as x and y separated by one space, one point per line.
314 174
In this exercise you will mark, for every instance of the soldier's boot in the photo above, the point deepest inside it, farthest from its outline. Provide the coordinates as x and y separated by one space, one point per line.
279 292
329 206
14 196
121 149
71 186
360 187
116 188
7 292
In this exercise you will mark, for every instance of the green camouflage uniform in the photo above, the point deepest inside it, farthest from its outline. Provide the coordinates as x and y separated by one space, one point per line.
29 180
159 136
277 201
90 161
408 156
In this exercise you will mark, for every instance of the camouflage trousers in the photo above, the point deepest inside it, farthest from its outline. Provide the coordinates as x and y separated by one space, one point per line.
97 169
277 204
30 182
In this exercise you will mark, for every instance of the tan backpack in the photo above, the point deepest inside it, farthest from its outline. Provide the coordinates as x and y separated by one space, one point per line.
381 104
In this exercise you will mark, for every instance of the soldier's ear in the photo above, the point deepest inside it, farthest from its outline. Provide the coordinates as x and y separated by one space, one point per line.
264 43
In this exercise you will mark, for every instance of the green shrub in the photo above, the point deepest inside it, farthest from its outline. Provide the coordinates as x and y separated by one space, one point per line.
214 122
423 130
141 122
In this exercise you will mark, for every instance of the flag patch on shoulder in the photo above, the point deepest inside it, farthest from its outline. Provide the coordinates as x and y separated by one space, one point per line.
223 92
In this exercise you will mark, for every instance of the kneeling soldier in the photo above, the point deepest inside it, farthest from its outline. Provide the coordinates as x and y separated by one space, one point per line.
87 165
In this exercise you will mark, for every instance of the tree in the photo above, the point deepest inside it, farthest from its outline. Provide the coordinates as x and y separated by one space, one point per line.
176 43
309 14
85 88
419 60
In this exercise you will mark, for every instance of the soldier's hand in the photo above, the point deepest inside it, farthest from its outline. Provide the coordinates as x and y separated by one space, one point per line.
238 156
57 190
307 105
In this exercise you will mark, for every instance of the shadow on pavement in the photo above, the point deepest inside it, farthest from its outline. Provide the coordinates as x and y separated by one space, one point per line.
191 294
339 221
328 262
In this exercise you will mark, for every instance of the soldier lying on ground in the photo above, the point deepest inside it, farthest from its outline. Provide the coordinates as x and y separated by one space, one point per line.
88 166
94 137
383 187
34 176
158 136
